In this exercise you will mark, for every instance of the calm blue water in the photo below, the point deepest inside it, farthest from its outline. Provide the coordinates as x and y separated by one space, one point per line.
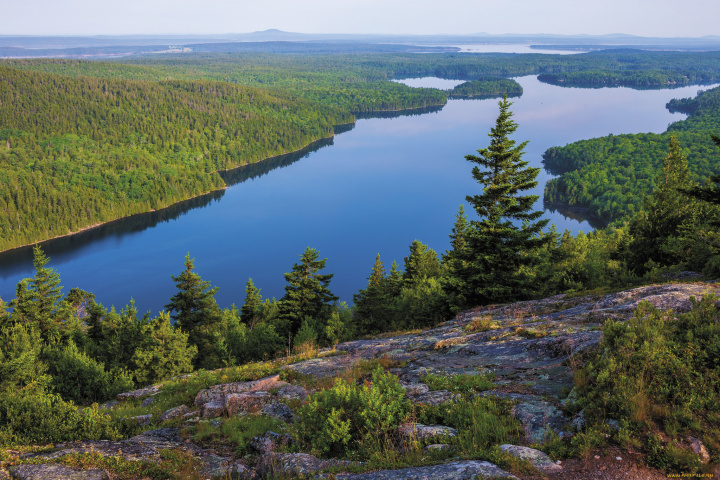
378 187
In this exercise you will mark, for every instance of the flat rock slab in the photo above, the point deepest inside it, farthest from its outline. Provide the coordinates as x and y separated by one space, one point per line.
291 465
143 392
461 470
54 471
538 459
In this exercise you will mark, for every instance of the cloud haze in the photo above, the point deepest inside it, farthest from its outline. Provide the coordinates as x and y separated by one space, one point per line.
665 18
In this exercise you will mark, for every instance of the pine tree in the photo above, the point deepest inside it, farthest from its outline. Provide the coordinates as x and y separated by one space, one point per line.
307 294
498 249
421 263
455 260
197 314
373 305
656 231
710 193
38 300
253 303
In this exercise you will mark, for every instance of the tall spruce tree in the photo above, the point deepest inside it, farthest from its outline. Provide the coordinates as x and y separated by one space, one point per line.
455 259
504 243
197 314
307 294
373 305
250 310
38 300
658 229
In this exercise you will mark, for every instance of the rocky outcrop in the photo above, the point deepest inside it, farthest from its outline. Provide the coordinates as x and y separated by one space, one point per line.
53 471
537 458
180 411
237 397
422 433
291 465
141 393
270 441
460 470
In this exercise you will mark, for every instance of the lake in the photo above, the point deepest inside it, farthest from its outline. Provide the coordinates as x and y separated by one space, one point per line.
373 188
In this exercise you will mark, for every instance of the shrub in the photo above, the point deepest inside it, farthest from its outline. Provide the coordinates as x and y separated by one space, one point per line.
462 384
347 417
36 417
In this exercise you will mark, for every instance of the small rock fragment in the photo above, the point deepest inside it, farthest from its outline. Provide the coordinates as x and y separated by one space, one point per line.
699 448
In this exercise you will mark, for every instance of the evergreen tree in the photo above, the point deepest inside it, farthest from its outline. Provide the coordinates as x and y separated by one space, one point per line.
250 310
164 351
39 299
373 305
307 294
421 263
708 193
656 231
498 249
454 260
197 314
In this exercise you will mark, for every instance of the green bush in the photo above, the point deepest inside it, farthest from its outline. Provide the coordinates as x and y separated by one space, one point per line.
80 379
36 417
348 418
658 371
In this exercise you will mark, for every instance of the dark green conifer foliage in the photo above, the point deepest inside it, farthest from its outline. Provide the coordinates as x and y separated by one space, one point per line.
455 259
307 294
498 250
250 310
197 314
666 214
421 263
710 193
163 352
373 305
39 299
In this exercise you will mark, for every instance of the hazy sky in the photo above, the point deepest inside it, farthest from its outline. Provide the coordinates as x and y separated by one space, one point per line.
666 18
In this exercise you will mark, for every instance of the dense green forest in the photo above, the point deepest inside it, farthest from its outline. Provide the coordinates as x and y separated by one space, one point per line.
487 87
611 175
77 152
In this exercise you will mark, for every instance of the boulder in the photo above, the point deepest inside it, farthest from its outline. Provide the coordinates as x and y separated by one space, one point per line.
458 470
537 458
147 402
291 465
269 442
246 402
437 397
699 448
141 419
180 411
538 418
212 409
143 392
420 432
280 411
291 392
54 471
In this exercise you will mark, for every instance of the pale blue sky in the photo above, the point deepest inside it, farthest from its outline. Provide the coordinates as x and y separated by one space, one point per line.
666 18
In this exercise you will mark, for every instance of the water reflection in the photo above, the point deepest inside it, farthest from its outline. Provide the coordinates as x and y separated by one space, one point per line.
17 260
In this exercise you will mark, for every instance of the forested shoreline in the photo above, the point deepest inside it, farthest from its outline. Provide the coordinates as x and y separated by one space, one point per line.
611 175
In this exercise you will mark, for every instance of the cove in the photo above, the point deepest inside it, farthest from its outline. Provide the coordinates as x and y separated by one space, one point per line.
373 188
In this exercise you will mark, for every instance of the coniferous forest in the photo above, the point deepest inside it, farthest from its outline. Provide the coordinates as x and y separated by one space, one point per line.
85 142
